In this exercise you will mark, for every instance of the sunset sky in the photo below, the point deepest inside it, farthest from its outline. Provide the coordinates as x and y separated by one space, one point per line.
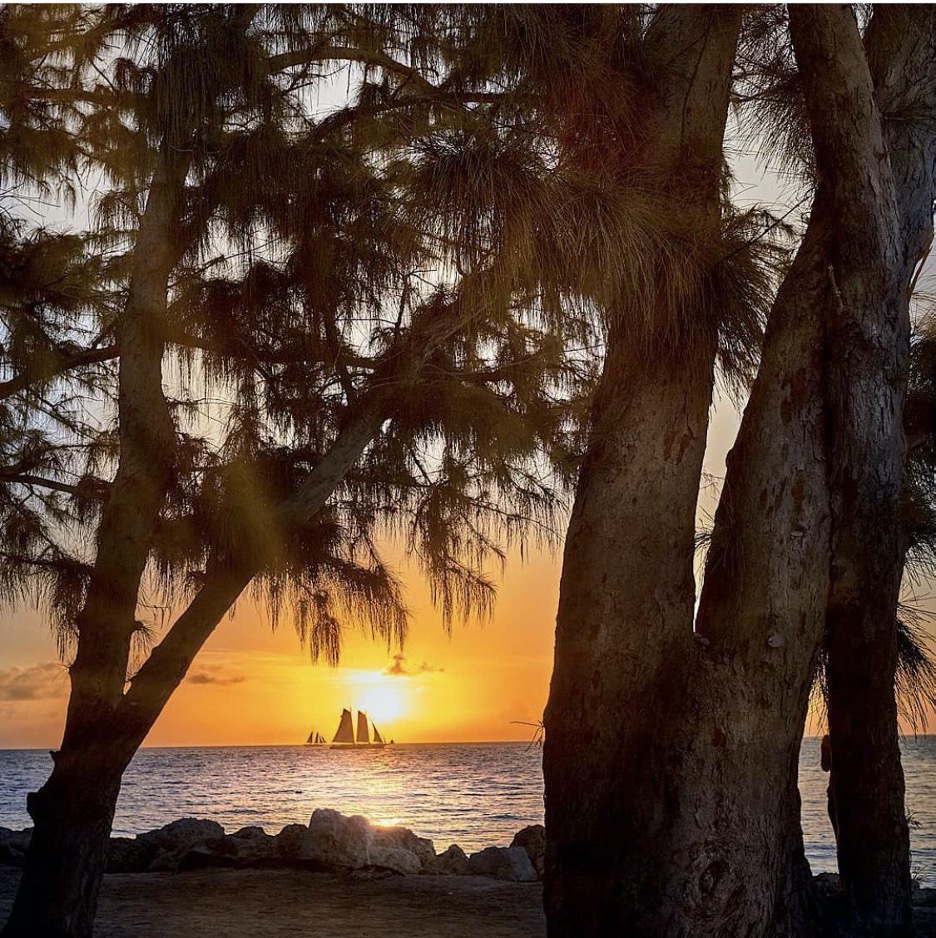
253 686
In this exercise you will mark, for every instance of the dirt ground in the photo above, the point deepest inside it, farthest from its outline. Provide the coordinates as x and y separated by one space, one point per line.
286 903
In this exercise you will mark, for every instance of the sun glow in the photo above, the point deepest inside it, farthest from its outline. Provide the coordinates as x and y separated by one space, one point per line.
382 697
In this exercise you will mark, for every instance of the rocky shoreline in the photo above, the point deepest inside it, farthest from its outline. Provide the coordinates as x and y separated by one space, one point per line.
331 842
335 844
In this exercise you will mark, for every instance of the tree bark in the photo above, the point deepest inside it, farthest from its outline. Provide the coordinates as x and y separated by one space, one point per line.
868 385
624 641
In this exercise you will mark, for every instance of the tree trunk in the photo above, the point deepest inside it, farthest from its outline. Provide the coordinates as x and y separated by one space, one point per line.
625 649
867 778
73 811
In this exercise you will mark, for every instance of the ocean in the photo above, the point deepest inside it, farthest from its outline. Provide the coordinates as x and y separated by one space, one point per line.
472 794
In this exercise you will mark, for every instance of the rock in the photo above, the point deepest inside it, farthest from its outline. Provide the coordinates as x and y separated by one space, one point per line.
205 857
533 840
510 863
403 839
181 834
454 862
172 842
10 856
827 884
924 897
351 843
19 840
337 841
395 858
252 844
289 840
128 855
13 846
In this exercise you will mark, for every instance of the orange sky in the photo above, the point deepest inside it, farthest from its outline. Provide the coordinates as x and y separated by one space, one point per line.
253 686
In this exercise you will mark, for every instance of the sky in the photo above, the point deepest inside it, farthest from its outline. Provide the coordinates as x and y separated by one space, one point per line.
253 686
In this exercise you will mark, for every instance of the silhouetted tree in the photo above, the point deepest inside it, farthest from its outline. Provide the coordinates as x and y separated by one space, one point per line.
297 375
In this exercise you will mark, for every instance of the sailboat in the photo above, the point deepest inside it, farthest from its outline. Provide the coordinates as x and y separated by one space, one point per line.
316 739
345 738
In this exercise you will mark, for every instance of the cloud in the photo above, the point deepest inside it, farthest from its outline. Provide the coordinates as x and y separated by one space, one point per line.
399 668
37 682
214 674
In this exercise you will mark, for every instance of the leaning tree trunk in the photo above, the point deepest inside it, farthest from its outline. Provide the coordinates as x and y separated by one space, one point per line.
73 811
867 777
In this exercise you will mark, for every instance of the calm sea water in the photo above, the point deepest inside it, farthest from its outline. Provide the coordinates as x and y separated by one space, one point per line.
474 795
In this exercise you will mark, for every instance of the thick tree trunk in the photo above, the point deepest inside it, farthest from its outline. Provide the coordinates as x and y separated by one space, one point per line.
622 643
617 763
867 777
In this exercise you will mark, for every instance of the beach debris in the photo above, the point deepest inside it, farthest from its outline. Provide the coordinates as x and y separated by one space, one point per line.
509 863
533 840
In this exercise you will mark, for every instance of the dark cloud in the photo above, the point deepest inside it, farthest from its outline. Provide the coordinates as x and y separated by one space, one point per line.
214 674
37 682
399 668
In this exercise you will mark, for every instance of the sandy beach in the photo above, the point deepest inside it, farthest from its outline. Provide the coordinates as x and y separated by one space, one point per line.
286 903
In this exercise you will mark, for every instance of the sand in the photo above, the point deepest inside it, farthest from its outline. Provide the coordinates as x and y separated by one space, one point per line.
281 903
286 903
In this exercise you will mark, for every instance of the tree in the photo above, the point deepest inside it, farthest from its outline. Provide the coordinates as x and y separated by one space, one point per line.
869 543
357 395
703 808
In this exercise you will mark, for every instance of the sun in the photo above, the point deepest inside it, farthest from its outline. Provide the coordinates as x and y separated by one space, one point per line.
384 698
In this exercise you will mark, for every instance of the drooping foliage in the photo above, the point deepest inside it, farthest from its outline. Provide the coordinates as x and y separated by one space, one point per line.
308 255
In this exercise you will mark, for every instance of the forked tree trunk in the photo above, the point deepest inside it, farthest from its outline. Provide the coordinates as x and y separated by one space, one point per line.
671 757
873 839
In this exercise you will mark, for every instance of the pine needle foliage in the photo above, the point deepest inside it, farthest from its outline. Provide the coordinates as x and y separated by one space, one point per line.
316 280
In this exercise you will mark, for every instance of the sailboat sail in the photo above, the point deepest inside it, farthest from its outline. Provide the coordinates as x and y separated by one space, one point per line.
345 732
377 737
312 738
363 736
